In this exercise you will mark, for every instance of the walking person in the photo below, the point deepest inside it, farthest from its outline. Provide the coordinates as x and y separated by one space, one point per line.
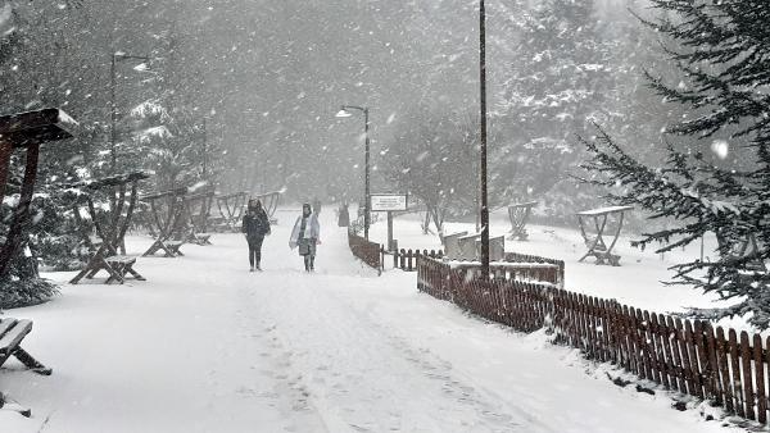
256 225
306 235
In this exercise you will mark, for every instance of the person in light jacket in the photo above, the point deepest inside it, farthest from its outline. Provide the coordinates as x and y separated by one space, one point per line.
306 235
256 225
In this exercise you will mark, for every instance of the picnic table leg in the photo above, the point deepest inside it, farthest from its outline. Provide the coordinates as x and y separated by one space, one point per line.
114 272
30 362
591 244
137 275
175 251
155 247
615 259
80 275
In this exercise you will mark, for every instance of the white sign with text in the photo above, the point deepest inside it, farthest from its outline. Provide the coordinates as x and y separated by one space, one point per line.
388 202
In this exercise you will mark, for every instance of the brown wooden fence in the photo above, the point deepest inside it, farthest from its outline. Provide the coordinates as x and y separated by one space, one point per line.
368 252
527 258
406 260
691 357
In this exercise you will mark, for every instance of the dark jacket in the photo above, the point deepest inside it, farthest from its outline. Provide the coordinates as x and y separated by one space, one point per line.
256 225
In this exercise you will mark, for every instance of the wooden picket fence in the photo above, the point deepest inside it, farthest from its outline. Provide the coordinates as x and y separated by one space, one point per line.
511 257
406 259
367 251
691 357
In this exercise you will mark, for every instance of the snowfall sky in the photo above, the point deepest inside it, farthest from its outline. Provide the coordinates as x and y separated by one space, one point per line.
278 71
270 75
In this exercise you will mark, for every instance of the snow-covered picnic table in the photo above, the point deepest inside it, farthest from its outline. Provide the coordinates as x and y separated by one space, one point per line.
594 240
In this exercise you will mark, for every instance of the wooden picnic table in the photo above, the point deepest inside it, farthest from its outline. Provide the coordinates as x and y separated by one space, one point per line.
111 227
518 214
197 208
748 248
594 240
270 202
231 208
167 210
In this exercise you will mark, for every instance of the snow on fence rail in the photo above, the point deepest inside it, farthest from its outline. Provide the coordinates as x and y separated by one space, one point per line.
681 355
526 258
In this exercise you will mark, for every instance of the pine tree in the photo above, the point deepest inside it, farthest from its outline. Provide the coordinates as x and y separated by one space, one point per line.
560 78
723 51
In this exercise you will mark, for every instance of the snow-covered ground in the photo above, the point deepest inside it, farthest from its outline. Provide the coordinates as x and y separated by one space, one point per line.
206 346
638 282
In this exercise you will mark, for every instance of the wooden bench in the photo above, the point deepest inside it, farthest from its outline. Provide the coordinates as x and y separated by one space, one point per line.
117 266
121 265
174 246
12 332
199 238
169 248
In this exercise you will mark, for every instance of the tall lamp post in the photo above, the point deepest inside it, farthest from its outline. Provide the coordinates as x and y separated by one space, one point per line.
483 167
344 113
118 56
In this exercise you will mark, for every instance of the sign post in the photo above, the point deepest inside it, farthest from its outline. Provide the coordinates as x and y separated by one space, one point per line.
389 203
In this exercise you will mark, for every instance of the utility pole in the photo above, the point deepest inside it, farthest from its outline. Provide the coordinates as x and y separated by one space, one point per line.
205 150
483 98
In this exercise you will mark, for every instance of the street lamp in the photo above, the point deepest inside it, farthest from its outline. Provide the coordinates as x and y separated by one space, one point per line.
345 113
483 150
118 56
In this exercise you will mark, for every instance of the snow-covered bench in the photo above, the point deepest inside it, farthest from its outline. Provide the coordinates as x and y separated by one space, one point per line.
117 266
199 238
122 265
174 247
12 332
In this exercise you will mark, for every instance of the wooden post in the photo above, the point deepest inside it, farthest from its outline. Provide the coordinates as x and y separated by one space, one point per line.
6 149
21 215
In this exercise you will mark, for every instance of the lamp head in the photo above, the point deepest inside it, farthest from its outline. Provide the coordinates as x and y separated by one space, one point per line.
343 113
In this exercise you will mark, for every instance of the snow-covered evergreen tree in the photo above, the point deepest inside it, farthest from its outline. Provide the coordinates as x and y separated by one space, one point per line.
559 79
723 49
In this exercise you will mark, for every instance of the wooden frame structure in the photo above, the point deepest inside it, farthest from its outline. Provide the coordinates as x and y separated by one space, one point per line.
12 332
166 222
198 222
270 202
747 248
234 207
24 130
112 229
597 247
519 214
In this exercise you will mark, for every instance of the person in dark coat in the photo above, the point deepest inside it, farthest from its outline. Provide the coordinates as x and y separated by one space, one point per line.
256 225
343 215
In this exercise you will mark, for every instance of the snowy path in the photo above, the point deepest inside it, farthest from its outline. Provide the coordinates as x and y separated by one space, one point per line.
206 346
